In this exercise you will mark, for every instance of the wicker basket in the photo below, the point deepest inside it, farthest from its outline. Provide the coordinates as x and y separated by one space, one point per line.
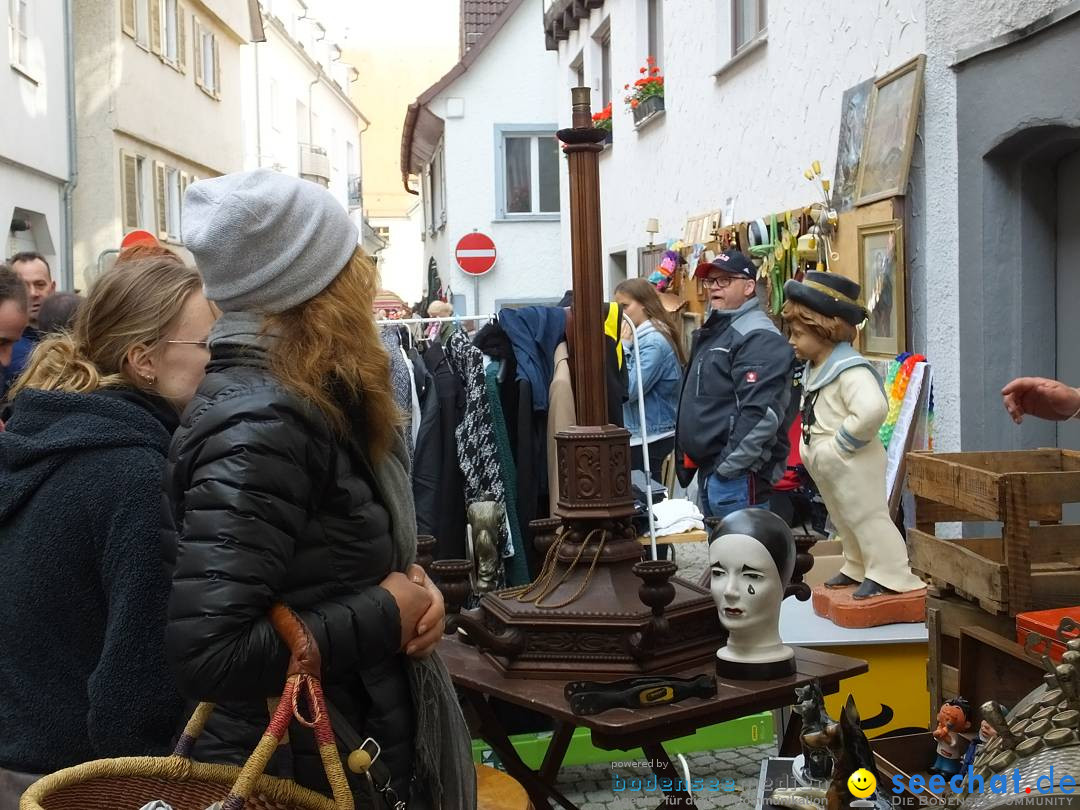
128 783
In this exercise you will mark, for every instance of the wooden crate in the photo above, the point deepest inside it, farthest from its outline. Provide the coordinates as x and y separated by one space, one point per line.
1034 563
946 618
991 668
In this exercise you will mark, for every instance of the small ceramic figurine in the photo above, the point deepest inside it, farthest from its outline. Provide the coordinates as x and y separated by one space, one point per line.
953 720
986 733
485 517
810 706
844 406
850 751
752 553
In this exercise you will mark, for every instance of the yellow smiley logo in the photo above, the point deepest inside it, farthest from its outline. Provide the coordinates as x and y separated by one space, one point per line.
861 783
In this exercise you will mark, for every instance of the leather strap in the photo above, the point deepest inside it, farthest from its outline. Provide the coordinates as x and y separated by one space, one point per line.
305 658
351 740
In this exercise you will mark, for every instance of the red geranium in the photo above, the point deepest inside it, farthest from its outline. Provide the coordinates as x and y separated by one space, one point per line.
602 119
650 84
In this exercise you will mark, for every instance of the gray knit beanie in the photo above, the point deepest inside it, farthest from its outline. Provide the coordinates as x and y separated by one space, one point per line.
265 241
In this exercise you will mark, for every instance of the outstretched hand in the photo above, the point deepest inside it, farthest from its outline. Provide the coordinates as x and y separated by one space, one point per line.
1040 397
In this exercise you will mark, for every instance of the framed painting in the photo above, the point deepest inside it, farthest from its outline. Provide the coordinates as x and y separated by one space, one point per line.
849 146
890 133
881 275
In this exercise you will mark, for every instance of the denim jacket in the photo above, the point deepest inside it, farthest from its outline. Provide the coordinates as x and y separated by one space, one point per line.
660 377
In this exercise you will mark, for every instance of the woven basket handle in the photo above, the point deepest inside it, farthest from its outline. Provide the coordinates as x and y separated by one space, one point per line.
302 680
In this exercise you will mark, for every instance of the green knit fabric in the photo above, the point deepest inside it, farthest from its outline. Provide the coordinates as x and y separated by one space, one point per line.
517 567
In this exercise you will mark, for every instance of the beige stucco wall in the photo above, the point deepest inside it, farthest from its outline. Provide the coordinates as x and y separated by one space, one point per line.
404 48
127 98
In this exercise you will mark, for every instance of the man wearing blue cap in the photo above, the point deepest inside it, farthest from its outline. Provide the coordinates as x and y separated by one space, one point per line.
733 410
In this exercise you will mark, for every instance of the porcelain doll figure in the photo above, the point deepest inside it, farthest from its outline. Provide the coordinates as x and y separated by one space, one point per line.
844 406
986 733
952 722
752 554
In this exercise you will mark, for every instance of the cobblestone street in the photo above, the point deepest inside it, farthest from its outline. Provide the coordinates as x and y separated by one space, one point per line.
591 787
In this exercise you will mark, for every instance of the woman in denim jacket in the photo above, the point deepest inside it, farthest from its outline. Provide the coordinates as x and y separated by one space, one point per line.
662 361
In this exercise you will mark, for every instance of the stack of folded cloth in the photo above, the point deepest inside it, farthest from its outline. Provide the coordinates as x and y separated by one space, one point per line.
676 516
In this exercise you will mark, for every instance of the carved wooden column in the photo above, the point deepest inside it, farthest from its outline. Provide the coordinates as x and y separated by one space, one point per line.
585 615
583 145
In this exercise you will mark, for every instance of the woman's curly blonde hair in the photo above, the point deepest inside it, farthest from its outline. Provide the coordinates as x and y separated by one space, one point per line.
329 347
132 304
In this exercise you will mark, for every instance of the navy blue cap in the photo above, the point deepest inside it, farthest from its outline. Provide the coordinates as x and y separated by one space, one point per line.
732 262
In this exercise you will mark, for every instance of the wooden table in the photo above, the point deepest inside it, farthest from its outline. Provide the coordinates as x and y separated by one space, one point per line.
622 729
691 536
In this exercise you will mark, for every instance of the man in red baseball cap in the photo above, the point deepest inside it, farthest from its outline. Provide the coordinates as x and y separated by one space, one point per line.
733 410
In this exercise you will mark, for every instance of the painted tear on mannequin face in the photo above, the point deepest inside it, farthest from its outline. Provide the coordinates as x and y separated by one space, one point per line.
745 583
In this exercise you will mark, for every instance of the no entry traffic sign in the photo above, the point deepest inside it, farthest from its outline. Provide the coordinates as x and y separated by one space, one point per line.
475 253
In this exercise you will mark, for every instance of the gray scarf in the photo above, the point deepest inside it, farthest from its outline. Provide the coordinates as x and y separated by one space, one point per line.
443 761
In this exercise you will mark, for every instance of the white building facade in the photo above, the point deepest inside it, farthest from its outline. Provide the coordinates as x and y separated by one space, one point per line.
297 114
35 158
158 101
480 147
753 92
745 113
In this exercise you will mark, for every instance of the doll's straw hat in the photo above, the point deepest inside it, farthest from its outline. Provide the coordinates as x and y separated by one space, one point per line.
829 294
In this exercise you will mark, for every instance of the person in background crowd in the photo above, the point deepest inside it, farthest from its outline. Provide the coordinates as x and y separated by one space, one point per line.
440 329
289 484
1042 398
733 416
34 270
14 316
662 361
57 313
82 524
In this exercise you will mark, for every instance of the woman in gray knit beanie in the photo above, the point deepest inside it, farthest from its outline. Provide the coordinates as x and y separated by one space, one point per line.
289 483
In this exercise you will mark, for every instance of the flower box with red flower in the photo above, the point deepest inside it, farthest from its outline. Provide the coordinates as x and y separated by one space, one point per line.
646 98
602 120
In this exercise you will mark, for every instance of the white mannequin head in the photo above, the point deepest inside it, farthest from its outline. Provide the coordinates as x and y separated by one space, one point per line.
752 555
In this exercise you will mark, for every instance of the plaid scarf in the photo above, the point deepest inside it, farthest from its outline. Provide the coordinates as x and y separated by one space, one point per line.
478 454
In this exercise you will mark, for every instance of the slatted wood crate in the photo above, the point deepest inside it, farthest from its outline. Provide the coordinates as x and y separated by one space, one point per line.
1033 562
946 617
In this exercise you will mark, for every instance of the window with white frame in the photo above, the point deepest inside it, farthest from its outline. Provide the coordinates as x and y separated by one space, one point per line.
654 21
19 30
207 60
171 22
142 22
604 40
748 20
527 172
435 188
577 70
172 204
158 26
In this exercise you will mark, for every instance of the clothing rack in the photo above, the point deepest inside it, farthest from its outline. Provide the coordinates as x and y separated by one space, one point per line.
449 319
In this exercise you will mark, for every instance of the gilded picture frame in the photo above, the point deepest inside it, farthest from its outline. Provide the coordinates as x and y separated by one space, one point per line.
883 281
890 133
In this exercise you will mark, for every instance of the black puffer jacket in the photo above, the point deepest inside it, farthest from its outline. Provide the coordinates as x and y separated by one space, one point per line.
270 507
